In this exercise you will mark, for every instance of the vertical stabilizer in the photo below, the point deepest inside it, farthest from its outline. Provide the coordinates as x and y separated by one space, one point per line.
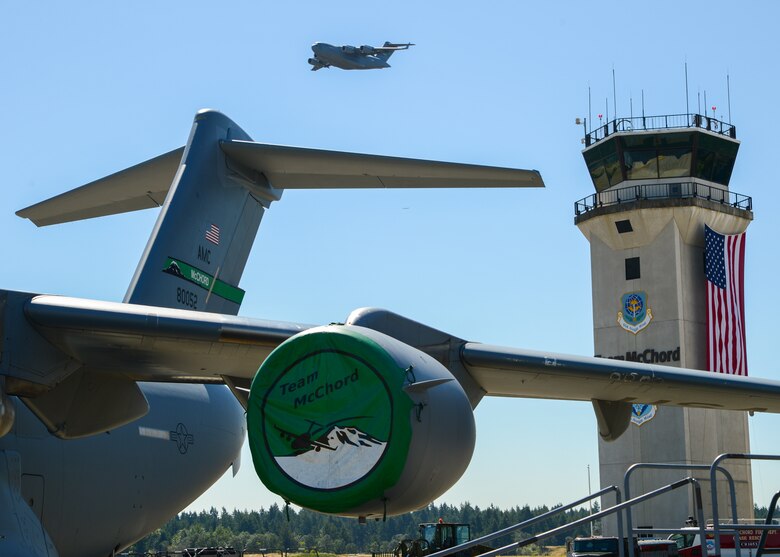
384 55
201 241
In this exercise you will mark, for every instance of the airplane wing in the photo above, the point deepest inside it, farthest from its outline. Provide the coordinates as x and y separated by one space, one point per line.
612 386
162 344
76 363
148 343
514 372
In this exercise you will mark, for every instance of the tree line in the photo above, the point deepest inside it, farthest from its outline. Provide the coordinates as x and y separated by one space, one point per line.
278 529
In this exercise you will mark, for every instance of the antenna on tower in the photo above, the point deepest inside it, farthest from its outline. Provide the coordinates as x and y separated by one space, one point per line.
590 119
687 109
614 95
705 102
728 93
643 104
698 101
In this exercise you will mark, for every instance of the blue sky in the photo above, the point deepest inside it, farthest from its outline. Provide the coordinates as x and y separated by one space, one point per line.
93 87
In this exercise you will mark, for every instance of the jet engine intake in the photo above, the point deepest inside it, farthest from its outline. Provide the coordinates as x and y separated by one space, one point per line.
365 49
347 420
314 61
349 49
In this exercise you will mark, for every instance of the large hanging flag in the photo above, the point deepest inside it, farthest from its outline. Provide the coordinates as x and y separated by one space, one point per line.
724 268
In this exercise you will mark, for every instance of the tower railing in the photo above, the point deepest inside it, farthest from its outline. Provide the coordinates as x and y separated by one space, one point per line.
669 121
675 190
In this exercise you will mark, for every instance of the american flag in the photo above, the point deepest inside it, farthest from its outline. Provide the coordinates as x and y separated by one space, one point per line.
212 234
724 269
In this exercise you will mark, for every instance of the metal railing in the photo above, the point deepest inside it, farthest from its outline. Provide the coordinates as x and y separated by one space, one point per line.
670 466
674 190
704 531
670 121
531 521
614 509
717 527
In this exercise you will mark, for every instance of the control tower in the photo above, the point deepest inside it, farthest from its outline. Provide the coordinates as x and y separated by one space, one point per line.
659 180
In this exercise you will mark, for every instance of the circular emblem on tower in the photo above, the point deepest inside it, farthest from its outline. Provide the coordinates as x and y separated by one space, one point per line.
635 314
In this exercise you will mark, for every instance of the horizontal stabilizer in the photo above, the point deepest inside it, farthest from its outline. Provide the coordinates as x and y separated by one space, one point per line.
146 185
395 46
142 186
300 168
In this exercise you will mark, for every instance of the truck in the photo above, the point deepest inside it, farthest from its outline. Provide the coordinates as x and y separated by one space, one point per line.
598 546
689 542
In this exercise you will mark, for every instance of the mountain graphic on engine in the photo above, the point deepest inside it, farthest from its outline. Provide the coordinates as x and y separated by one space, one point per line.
335 459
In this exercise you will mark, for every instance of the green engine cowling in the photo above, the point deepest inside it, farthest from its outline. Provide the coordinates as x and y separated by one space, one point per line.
349 421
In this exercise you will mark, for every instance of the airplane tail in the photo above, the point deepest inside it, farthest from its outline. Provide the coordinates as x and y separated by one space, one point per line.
200 244
384 55
214 192
390 48
211 211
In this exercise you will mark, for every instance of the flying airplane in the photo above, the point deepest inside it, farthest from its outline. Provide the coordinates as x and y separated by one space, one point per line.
349 57
114 416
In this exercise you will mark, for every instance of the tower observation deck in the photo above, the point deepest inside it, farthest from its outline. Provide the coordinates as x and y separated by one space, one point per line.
662 161
658 181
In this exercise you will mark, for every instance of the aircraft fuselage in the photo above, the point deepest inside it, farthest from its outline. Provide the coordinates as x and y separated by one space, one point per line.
102 493
329 55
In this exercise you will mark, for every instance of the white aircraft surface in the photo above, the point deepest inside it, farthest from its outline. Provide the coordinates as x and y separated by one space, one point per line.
114 416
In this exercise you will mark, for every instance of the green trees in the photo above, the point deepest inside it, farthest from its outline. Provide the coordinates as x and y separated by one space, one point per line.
268 530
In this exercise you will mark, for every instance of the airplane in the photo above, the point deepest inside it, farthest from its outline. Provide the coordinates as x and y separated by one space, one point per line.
349 57
311 439
115 415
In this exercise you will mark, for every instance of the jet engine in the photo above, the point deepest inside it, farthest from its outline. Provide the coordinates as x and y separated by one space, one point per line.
365 49
349 49
347 420
314 61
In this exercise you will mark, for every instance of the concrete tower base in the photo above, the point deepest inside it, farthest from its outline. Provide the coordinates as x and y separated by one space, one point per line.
655 249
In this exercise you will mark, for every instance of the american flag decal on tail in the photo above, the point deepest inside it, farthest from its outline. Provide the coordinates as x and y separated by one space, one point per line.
724 268
212 234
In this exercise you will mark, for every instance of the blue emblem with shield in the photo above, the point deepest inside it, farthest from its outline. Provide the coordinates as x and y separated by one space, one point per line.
635 315
642 413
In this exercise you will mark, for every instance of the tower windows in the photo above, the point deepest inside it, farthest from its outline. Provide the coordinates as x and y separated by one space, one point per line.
623 226
632 268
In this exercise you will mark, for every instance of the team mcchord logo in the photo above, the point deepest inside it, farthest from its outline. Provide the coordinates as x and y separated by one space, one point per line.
329 420
330 385
635 315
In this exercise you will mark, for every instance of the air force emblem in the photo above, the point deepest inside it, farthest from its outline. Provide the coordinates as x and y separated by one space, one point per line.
642 413
182 438
635 315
